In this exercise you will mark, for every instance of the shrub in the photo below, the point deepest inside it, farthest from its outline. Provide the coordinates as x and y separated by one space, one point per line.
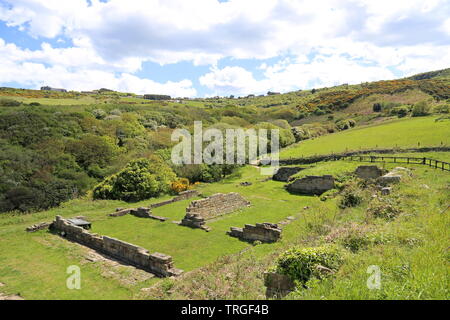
420 109
352 237
384 208
400 111
99 113
377 107
345 124
351 197
180 185
442 108
140 179
6 102
301 264
35 104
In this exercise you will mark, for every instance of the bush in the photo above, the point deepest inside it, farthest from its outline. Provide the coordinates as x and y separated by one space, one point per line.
400 111
384 208
35 104
301 264
352 237
351 197
5 102
377 107
421 109
442 108
141 179
345 124
180 185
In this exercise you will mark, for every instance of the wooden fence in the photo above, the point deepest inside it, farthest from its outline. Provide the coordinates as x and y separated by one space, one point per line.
437 164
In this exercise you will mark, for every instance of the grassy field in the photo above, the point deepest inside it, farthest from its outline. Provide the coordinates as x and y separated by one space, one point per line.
34 265
404 133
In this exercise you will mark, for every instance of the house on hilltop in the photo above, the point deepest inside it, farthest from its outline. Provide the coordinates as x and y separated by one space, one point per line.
47 88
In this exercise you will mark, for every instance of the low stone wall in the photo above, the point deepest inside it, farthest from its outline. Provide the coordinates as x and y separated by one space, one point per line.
157 263
368 172
284 173
199 211
38 226
311 185
264 232
181 196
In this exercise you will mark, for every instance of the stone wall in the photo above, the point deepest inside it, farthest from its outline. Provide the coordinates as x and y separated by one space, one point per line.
157 263
368 172
312 185
199 211
284 173
264 232
181 196
394 176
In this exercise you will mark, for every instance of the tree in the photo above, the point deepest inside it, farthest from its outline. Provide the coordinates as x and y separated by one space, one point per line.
140 179
421 109
93 150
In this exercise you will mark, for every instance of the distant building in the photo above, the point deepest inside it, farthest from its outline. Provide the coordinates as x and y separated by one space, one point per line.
251 96
270 93
156 97
47 88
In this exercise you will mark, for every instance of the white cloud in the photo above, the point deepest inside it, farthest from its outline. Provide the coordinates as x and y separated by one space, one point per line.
322 71
63 68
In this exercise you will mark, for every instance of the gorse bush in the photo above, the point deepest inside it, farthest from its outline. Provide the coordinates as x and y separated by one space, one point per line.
140 179
302 264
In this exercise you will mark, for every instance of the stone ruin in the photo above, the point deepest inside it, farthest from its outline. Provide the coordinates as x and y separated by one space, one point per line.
311 185
264 232
144 212
156 263
394 176
141 212
368 172
200 211
181 196
284 173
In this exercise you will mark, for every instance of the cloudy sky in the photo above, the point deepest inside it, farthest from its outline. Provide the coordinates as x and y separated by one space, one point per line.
209 47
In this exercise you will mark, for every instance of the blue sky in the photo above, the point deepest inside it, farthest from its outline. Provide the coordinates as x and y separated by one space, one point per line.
209 47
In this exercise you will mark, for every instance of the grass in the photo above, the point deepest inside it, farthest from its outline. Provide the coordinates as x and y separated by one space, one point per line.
404 133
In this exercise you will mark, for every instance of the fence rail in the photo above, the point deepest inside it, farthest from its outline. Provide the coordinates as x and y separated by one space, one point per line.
433 163
363 156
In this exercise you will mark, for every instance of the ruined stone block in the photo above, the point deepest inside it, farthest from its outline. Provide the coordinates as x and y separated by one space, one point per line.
264 232
386 191
311 185
368 172
199 211
284 173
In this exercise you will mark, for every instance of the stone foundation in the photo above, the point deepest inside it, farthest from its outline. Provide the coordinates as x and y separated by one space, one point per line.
199 211
264 232
368 172
284 173
157 263
181 196
38 226
311 185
